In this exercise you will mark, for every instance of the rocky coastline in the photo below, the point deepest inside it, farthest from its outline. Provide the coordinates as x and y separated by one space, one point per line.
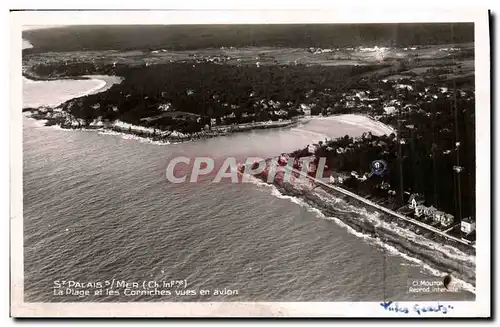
445 255
58 117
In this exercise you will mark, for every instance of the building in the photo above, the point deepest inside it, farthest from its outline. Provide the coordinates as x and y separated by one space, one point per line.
306 109
467 226
336 177
415 200
389 110
429 211
165 107
438 216
312 148
419 210
280 113
447 220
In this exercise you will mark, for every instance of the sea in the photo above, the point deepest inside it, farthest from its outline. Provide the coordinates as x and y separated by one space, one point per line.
99 208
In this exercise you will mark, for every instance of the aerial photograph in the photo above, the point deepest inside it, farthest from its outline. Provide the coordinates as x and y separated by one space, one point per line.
249 163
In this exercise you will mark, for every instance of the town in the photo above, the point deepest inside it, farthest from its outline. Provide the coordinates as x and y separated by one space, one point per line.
427 100
429 155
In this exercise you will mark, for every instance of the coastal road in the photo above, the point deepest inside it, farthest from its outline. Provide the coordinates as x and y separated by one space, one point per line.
386 210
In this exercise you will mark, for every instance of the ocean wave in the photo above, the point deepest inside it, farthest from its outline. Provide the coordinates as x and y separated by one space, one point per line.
140 139
36 122
102 131
435 272
40 123
374 217
59 128
369 238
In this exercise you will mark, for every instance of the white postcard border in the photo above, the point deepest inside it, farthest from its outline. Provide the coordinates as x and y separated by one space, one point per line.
478 308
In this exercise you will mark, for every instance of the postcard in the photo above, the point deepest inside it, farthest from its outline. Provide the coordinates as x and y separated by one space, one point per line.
265 163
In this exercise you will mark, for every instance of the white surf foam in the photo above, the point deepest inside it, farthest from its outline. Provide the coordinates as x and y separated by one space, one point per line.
368 238
40 123
140 139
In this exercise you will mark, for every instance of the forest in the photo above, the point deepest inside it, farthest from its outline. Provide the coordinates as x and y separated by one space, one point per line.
432 143
239 94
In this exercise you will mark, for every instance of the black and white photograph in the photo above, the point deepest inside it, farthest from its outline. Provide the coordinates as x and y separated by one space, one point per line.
250 167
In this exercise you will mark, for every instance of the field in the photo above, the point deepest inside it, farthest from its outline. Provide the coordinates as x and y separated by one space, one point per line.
418 46
460 62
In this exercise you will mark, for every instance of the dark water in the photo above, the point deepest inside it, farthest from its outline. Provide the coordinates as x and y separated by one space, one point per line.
98 207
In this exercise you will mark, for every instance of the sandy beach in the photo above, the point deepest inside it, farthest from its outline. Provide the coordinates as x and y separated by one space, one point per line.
361 121
108 80
56 92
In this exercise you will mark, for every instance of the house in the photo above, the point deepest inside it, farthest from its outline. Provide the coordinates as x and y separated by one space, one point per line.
306 109
165 106
419 210
336 177
394 102
438 216
467 225
415 200
447 220
364 177
389 110
350 104
361 95
367 136
312 148
429 211
404 86
280 113
384 185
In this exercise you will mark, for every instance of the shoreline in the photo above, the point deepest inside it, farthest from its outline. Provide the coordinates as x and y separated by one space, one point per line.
54 117
150 135
109 81
160 137
105 82
441 255
361 119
